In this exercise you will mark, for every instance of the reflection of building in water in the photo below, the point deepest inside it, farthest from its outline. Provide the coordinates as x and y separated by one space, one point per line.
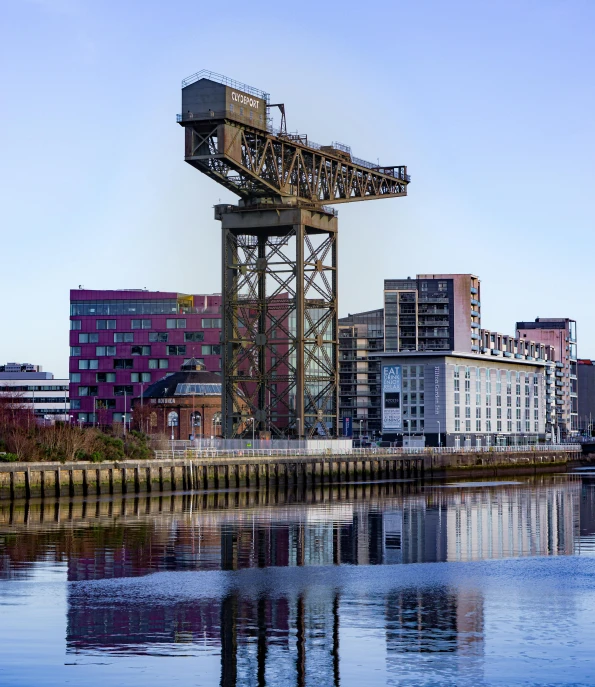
443 524
415 534
586 540
262 639
447 625
499 523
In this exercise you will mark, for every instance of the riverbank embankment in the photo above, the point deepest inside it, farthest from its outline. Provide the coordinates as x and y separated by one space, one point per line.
208 470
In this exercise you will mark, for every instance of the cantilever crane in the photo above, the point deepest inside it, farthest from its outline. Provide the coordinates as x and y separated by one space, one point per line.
279 279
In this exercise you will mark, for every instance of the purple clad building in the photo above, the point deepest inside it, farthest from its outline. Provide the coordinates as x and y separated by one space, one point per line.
122 341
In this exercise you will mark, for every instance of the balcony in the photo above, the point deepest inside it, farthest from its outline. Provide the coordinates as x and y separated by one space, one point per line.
434 335
432 321
424 310
433 299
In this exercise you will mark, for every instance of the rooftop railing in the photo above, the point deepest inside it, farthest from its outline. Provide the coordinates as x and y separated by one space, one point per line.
226 81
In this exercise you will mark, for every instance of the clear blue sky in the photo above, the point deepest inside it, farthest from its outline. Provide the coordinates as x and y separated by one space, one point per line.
490 104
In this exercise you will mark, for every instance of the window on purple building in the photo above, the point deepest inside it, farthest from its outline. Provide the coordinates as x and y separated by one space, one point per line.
140 350
176 350
120 389
140 324
194 336
75 350
123 364
105 350
176 323
76 324
161 363
212 349
140 377
105 324
211 323
105 377
87 391
88 364
158 337
88 338
123 337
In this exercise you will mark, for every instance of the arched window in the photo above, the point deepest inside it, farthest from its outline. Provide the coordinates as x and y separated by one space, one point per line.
216 424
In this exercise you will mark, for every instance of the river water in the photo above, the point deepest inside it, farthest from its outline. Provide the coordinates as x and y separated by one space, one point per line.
391 583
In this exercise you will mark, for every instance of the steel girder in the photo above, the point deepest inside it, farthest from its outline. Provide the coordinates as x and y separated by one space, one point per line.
280 327
258 164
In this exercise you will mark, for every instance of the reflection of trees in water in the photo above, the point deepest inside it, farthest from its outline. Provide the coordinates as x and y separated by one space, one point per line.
84 549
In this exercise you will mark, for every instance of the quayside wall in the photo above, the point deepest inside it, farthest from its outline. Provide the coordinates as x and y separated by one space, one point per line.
204 470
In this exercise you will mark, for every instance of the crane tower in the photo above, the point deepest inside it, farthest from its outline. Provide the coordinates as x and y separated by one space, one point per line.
279 254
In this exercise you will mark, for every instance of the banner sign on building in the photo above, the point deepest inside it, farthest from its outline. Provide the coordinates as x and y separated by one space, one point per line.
391 399
347 427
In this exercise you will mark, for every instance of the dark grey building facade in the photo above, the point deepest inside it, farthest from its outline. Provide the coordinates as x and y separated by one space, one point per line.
586 395
361 337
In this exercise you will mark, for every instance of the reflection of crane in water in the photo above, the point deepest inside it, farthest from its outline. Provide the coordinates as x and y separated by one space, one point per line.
318 660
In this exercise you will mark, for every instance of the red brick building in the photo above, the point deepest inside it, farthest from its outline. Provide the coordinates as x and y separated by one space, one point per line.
187 402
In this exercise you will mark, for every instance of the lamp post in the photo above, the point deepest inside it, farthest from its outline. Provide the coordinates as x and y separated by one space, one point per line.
360 429
439 435
124 414
141 404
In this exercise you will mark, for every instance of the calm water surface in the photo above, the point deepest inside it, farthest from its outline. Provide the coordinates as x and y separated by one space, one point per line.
387 584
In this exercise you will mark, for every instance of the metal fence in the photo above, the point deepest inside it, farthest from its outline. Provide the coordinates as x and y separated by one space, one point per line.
212 452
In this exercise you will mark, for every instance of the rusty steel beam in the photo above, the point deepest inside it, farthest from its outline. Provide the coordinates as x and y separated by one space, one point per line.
257 164
280 321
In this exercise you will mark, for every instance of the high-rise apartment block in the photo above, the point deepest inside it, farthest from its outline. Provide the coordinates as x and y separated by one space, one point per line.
433 312
361 337
440 314
560 333
122 341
